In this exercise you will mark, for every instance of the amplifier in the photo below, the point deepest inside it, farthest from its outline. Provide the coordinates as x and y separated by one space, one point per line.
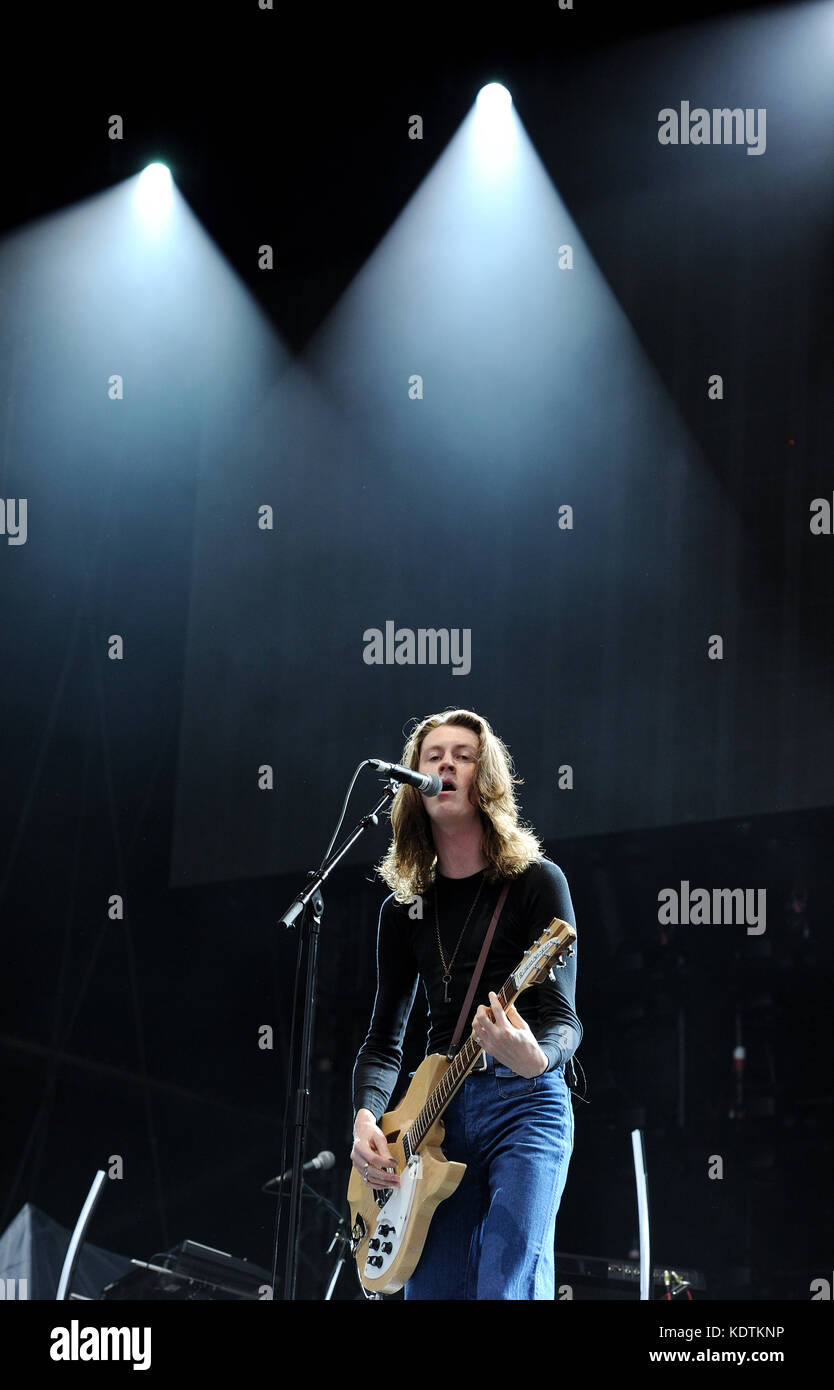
595 1276
190 1272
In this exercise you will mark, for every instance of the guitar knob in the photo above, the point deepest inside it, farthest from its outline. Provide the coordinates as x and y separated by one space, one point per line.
387 1248
373 1244
385 1230
376 1261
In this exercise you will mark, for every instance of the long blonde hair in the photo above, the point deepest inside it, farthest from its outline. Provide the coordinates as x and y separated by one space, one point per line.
508 844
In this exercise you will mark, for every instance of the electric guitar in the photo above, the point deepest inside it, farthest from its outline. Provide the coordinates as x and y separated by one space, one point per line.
389 1225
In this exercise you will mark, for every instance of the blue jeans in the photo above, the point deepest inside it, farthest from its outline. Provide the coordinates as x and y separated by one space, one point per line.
494 1237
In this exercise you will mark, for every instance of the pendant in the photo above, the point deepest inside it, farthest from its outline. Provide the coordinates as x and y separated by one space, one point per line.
446 982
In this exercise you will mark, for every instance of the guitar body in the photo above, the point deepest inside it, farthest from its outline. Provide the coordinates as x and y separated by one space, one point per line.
400 1226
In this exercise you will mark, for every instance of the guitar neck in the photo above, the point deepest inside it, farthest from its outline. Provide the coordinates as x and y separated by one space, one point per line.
452 1079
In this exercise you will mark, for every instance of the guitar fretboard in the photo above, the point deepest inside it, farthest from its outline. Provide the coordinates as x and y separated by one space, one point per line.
451 1079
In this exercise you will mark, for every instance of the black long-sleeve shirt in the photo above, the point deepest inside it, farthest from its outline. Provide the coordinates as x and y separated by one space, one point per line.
407 951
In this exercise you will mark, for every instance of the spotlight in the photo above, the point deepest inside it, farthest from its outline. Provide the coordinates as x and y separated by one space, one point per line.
494 100
154 194
494 131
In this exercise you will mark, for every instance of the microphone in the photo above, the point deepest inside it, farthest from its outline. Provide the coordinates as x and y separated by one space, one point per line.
426 782
323 1160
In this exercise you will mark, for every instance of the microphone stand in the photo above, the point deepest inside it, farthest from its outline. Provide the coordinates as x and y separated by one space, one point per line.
342 1241
311 898
340 1236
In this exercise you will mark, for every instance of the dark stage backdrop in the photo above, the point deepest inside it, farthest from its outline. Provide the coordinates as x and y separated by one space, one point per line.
587 645
139 1035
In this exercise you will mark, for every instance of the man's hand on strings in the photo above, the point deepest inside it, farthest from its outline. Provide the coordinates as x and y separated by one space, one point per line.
370 1155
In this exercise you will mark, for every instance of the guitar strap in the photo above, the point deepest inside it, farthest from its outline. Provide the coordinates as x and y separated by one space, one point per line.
473 984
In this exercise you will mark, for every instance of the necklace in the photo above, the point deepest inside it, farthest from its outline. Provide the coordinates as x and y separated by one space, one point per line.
447 969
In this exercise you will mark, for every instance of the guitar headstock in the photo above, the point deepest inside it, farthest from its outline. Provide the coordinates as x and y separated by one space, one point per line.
552 948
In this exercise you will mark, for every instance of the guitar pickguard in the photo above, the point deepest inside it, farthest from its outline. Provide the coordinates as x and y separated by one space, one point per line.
392 1224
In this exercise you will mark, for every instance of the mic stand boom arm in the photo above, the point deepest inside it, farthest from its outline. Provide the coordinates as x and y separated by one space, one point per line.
311 897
